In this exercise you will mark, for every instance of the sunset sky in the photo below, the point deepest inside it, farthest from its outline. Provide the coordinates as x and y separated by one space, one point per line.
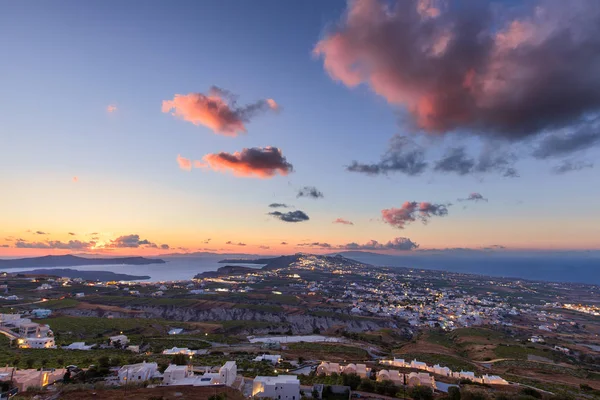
276 126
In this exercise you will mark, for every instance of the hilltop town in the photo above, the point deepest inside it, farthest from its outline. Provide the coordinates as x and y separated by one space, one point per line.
301 326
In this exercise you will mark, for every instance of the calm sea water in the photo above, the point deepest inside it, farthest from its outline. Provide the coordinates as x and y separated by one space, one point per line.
176 268
553 268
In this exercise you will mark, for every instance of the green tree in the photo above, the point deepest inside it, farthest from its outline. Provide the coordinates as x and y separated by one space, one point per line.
179 359
453 393
421 393
29 363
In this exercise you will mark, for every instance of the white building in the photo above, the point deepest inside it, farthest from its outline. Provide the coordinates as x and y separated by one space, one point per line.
282 387
78 346
493 380
179 350
37 343
420 379
358 369
444 371
138 372
390 375
228 373
176 373
175 331
327 368
120 340
273 359
418 365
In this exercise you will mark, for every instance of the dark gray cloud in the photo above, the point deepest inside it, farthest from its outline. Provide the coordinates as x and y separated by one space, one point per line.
290 216
279 205
571 166
403 156
261 162
490 68
315 244
310 191
411 211
40 233
474 197
456 160
399 243
567 142
229 242
164 247
130 241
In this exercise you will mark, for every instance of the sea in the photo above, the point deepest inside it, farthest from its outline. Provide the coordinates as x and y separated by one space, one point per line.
553 269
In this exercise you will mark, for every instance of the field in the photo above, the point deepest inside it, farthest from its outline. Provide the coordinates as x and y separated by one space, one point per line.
322 351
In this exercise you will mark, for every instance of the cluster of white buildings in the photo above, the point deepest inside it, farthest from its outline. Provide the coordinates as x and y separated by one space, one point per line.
23 379
178 375
31 335
442 371
328 368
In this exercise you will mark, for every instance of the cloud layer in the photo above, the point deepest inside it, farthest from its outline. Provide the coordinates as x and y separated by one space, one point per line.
412 211
217 110
253 162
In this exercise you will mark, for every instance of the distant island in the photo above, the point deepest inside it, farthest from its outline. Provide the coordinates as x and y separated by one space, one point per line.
85 275
73 261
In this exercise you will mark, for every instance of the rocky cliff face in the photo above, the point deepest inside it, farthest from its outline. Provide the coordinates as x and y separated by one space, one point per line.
297 323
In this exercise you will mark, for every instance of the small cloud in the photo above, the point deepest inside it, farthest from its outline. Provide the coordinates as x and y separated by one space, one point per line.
411 211
290 216
403 155
130 241
40 233
251 162
235 244
264 247
4 245
278 205
310 191
164 246
342 221
283 243
111 108
184 163
315 244
571 166
218 110
75 179
72 234
474 197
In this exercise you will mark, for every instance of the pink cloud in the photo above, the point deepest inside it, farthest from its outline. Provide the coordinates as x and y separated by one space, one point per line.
217 110
411 211
251 162
342 221
75 179
184 163
111 108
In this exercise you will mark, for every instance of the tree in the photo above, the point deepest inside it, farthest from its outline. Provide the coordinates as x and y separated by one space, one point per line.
179 359
352 380
421 393
453 393
366 385
29 363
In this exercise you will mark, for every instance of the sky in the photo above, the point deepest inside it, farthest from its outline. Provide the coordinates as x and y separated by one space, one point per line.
275 127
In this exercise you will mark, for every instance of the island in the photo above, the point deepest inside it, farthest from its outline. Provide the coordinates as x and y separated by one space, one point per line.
73 261
102 276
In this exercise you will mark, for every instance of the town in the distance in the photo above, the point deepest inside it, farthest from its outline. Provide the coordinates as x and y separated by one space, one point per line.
297 327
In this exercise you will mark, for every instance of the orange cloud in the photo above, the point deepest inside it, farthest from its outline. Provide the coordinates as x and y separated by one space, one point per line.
184 163
218 110
342 221
253 162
